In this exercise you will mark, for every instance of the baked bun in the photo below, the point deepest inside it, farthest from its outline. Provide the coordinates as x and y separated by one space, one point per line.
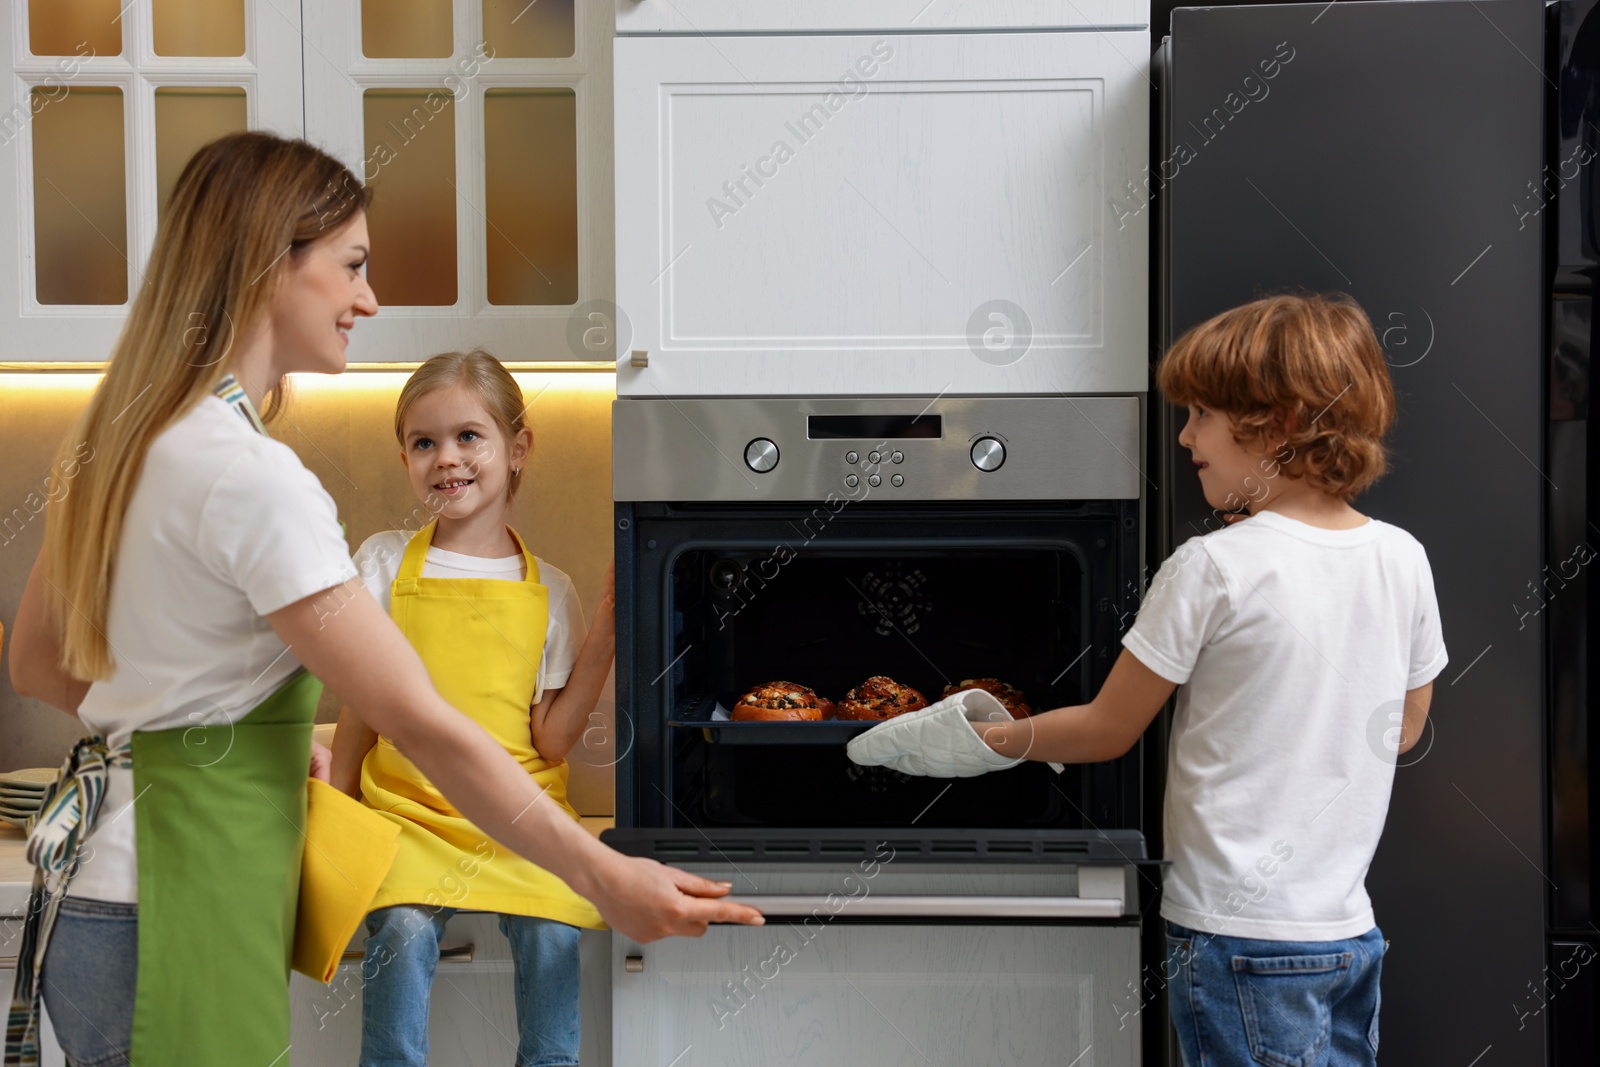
880 698
1009 695
781 702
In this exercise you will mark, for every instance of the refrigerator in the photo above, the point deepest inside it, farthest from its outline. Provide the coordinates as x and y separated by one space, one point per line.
1395 151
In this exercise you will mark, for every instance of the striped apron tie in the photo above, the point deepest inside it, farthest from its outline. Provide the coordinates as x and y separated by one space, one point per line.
55 835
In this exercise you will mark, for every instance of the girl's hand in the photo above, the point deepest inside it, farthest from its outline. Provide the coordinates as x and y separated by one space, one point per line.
608 592
321 763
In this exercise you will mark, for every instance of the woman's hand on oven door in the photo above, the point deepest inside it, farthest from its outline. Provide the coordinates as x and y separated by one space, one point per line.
940 741
645 900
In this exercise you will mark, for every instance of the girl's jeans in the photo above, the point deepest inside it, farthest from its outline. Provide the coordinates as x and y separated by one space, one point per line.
1248 1003
402 950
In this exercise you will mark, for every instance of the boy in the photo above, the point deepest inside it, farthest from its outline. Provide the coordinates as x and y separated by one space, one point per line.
1301 637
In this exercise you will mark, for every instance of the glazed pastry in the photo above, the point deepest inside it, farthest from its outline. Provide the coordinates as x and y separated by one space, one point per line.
1009 695
880 698
781 702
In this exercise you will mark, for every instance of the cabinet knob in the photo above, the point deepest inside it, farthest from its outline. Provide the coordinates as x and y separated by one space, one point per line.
633 964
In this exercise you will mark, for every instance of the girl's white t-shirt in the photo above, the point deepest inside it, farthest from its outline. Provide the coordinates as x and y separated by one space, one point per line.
1293 648
225 527
378 562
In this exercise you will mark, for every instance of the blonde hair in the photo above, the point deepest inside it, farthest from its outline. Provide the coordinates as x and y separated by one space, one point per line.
241 203
1312 360
485 377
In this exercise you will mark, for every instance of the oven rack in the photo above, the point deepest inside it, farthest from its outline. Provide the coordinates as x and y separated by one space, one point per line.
714 844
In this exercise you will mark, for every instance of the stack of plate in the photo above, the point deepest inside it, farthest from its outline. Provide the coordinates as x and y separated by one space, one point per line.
21 793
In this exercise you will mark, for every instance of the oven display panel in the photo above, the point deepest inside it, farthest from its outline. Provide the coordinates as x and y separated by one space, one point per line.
873 427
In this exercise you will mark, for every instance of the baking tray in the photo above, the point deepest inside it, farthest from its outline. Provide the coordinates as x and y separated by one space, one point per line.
702 713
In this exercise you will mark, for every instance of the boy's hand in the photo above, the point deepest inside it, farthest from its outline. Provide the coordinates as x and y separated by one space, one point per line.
940 741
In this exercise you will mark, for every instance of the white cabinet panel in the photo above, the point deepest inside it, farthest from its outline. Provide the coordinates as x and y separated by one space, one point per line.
473 1016
825 215
892 996
741 16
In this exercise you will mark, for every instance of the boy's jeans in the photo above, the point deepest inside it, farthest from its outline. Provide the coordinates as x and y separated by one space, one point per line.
402 950
1249 1003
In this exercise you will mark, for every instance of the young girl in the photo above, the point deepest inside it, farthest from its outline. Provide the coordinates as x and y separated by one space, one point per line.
502 635
1302 637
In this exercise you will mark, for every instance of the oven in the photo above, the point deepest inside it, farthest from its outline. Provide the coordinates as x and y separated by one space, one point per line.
822 541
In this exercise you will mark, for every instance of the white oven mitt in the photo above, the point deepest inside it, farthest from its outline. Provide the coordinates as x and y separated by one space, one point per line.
939 741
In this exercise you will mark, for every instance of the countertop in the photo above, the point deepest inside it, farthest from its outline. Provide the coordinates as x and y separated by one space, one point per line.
16 875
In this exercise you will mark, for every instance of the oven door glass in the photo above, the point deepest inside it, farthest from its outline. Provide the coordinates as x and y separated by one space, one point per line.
829 619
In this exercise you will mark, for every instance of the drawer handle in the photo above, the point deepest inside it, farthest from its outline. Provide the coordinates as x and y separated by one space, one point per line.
633 964
882 905
459 954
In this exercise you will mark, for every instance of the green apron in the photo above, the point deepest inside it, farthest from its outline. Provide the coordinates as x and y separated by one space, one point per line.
220 816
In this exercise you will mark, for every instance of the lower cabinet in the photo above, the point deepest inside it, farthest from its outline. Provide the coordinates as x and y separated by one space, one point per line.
886 995
473 1017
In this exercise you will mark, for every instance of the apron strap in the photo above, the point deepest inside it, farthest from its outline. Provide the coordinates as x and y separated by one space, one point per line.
233 394
527 557
416 553
55 835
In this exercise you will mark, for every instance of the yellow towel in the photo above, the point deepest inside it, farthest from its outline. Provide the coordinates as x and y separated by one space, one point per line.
349 848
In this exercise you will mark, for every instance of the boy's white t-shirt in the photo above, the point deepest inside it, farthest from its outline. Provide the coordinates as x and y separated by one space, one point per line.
1293 648
225 527
378 562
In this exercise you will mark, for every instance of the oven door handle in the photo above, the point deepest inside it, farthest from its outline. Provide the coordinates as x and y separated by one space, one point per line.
886 906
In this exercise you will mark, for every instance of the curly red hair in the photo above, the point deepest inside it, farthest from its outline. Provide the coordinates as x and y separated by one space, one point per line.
1304 374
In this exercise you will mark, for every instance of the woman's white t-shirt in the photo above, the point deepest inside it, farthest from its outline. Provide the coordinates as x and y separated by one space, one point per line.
1293 648
225 527
378 561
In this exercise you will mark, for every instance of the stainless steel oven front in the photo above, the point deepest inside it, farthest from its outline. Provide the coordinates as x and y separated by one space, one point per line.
822 541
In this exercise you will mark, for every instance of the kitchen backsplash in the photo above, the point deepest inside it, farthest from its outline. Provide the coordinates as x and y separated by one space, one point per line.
342 428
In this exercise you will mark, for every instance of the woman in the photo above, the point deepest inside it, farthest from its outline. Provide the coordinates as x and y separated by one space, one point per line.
193 571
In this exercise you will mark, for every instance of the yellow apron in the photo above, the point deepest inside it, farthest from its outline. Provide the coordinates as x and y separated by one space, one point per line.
481 639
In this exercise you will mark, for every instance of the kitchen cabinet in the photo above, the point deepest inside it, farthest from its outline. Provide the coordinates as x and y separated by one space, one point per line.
473 1019
882 213
821 995
817 16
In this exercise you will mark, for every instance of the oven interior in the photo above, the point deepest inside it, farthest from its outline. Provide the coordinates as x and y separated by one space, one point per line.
1034 605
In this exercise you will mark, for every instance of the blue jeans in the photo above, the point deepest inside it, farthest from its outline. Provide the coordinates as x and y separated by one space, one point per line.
1241 1002
88 979
402 950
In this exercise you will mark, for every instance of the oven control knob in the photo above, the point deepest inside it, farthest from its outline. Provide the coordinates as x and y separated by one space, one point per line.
988 454
761 455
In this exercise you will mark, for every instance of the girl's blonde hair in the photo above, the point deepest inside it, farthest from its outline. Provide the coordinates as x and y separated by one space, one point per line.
486 378
1313 360
242 208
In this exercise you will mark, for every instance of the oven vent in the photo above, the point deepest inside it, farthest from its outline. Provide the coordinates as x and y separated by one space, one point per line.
791 845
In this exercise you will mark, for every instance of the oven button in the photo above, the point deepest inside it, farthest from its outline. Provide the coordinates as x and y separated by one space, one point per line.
850 457
873 457
988 454
874 481
898 480
898 456
851 481
761 455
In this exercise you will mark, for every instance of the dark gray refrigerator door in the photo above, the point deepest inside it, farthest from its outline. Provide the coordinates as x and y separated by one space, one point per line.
1386 150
